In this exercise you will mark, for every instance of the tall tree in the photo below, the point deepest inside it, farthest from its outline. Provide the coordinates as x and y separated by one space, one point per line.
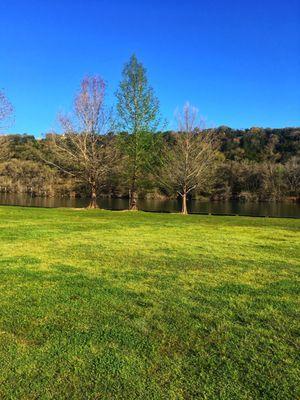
85 150
189 162
138 111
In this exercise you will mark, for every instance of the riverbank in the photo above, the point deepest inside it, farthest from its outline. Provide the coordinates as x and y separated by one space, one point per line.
139 305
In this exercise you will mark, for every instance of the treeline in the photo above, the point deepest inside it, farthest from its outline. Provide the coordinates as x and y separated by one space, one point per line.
124 153
257 164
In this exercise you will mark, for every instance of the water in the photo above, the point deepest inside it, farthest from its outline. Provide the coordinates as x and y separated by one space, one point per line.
279 209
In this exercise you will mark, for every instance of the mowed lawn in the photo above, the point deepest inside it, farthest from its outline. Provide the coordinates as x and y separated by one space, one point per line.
120 305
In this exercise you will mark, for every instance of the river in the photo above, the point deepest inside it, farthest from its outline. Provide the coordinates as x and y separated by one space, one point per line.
272 209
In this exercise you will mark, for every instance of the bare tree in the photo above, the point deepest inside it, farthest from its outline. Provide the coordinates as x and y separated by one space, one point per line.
6 113
86 150
189 162
292 176
89 105
6 110
272 175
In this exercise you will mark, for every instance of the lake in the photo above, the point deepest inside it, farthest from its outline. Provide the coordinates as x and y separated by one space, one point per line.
279 209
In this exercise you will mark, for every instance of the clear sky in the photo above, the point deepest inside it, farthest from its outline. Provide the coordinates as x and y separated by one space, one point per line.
237 61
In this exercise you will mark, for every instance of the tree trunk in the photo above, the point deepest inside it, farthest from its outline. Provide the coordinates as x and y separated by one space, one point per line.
133 197
93 202
184 205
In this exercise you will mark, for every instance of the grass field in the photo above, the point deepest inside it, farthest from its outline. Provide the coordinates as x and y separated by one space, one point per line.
120 305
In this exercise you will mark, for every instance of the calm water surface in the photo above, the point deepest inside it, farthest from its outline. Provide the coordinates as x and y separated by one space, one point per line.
283 209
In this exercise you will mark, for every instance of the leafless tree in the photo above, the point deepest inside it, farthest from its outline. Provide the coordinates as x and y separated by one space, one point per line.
272 180
292 176
89 105
86 150
6 113
189 162
6 110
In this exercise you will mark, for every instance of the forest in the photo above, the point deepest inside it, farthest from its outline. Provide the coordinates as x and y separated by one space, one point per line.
126 152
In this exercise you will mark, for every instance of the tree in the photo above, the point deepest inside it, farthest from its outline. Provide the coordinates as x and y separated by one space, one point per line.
292 176
6 110
272 175
5 147
26 176
189 162
86 150
138 111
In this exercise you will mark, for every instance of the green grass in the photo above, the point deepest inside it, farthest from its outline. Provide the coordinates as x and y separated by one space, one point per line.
119 305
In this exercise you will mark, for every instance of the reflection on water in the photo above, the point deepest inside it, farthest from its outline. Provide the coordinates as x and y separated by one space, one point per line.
284 209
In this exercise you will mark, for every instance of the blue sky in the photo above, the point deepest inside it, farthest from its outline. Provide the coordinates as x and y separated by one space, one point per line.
237 61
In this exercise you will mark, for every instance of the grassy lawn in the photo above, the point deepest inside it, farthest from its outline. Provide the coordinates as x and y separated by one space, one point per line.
119 305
